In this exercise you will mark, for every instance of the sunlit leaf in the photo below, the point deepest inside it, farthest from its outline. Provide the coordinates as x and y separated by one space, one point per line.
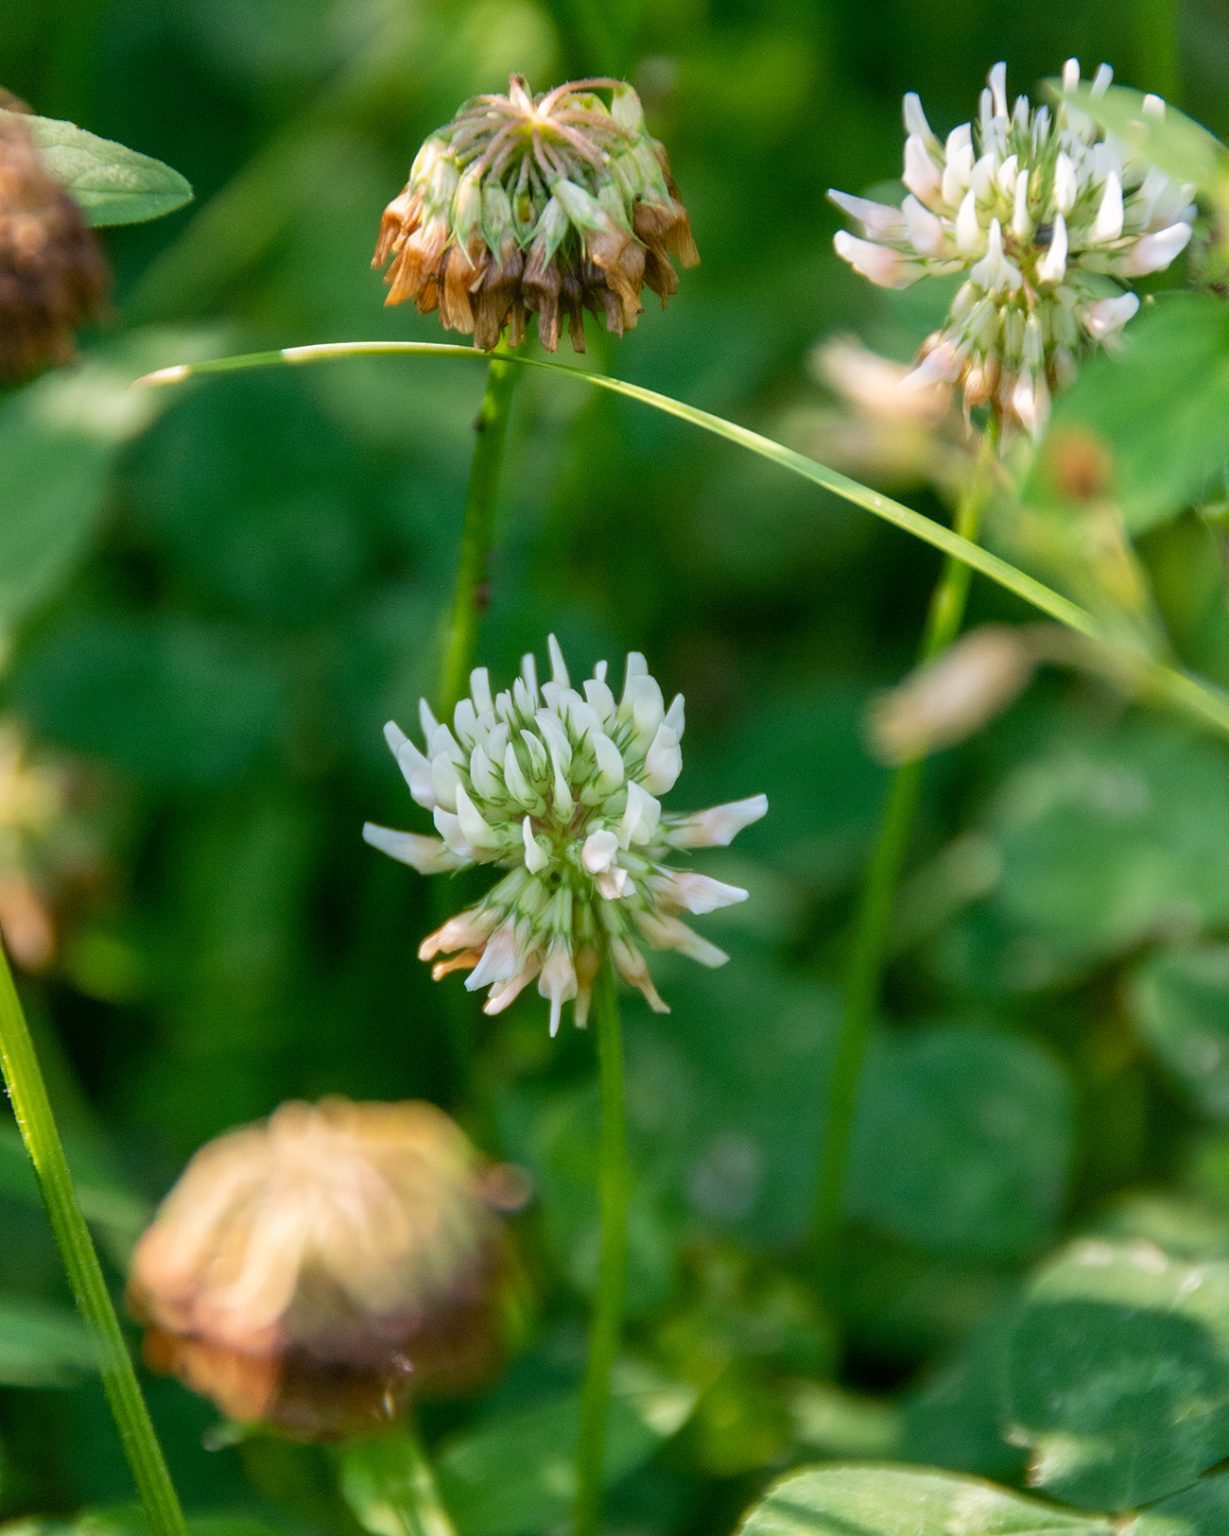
109 183
1118 1373
1171 141
906 1501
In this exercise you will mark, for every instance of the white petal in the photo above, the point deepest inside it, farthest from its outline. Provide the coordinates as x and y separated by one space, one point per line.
1153 253
700 893
536 857
445 782
718 826
998 88
924 230
416 771
428 855
921 175
1108 223
476 830
1108 316
480 689
499 958
601 699
517 784
671 933
609 761
1065 183
641 818
558 667
600 850
663 762
1052 267
482 774
915 118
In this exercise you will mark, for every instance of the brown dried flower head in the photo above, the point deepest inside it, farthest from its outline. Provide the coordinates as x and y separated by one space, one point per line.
546 205
333 1243
52 274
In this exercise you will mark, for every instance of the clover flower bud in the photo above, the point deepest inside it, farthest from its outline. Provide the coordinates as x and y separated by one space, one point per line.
560 787
1049 219
546 205
336 1252
52 274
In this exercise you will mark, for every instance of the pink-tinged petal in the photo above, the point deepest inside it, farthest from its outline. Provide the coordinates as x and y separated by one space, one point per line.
878 220
718 826
879 264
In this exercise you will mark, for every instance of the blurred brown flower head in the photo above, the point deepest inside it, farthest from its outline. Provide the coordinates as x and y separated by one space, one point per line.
337 1252
52 274
546 205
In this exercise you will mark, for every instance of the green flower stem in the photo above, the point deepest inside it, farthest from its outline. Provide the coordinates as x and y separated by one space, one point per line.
27 1090
869 949
1155 681
612 1274
470 595
389 1486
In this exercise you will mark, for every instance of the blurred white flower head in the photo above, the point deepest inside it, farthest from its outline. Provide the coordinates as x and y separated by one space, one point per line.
1049 218
561 787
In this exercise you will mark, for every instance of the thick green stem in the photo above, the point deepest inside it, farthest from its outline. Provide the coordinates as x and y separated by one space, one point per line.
869 948
28 1092
612 1275
471 594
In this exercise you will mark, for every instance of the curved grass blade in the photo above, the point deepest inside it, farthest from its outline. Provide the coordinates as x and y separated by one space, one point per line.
1150 678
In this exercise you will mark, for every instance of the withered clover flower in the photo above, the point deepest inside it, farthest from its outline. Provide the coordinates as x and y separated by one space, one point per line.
546 205
562 788
52 274
1049 218
320 1266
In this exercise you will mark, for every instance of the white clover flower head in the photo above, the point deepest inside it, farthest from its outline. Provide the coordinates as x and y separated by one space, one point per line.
1049 218
562 788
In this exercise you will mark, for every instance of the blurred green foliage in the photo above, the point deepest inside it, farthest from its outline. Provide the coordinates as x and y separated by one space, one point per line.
213 600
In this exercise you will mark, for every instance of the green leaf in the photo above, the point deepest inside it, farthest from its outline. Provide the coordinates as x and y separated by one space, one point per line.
1199 1511
109 183
516 1476
906 1501
1157 443
1180 999
1118 1373
1174 143
988 1120
41 1346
